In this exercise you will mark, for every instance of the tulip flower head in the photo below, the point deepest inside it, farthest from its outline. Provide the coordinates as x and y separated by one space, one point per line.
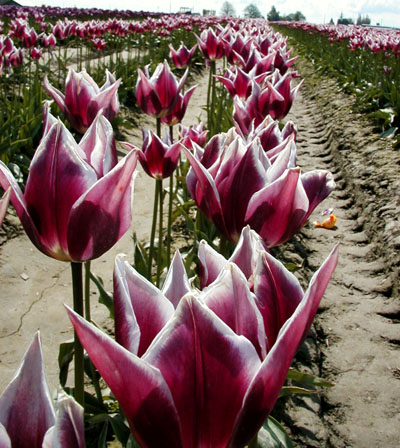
26 403
83 98
77 202
159 158
235 184
157 95
178 112
195 133
211 45
182 56
206 370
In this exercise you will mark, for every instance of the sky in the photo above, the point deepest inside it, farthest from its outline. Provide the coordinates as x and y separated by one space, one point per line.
384 12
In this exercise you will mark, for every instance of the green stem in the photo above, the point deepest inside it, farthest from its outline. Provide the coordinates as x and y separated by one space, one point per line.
158 122
253 443
77 290
213 95
160 232
96 383
87 290
153 231
171 190
208 97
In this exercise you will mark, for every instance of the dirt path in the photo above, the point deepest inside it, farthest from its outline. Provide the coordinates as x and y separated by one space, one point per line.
357 333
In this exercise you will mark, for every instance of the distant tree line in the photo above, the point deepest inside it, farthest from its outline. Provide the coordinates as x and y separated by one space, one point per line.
252 11
361 20
275 16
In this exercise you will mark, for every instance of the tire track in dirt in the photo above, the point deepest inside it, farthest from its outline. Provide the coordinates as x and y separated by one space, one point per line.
355 342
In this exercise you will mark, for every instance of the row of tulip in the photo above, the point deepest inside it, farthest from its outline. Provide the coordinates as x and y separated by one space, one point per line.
22 69
239 325
366 62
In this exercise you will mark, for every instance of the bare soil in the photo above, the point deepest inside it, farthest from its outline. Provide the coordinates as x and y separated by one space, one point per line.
355 341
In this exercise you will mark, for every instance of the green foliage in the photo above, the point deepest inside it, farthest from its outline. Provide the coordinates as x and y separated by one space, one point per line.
372 77
252 12
273 435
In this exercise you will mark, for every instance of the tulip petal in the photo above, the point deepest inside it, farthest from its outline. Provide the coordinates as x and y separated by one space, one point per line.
246 253
103 214
140 309
266 385
106 99
7 180
26 401
245 179
139 387
205 193
318 184
231 300
211 263
80 88
98 143
197 353
146 96
58 97
69 429
58 174
278 208
278 292
166 86
176 283
5 441
4 204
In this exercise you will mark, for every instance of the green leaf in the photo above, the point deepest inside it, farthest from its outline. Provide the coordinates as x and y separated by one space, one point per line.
132 443
120 429
102 441
273 435
140 257
307 379
287 391
105 298
389 133
65 356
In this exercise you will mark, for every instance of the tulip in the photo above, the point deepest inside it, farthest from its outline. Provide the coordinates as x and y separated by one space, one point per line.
138 303
159 158
245 256
83 98
195 133
4 204
235 185
178 112
274 99
209 376
272 139
211 45
27 416
183 56
237 48
239 83
157 95
76 204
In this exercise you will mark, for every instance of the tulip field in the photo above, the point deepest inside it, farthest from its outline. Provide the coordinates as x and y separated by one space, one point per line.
199 338
365 61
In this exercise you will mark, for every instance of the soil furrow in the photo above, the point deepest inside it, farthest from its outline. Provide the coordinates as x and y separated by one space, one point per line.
355 341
